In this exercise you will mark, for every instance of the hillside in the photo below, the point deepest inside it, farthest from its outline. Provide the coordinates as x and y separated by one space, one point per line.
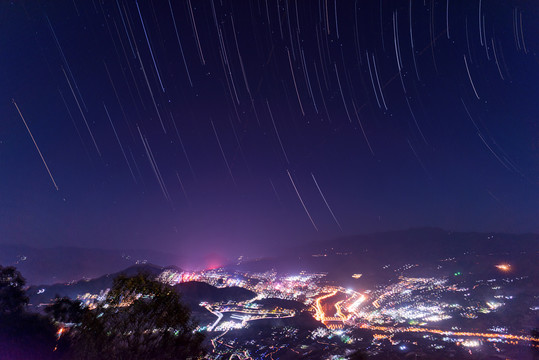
44 293
194 292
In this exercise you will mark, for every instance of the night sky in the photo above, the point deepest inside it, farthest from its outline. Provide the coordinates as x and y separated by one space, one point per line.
227 128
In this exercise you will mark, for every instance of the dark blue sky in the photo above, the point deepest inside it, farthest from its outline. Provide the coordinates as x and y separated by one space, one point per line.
402 124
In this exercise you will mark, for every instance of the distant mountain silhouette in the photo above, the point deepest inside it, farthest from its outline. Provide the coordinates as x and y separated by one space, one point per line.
64 264
428 243
367 254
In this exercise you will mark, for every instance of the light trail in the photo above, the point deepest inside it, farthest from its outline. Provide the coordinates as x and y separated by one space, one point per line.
503 267
219 317
217 337
35 143
277 132
295 84
451 333
470 77
325 201
355 304
150 47
179 42
301 200
120 143
319 315
339 311
222 152
81 113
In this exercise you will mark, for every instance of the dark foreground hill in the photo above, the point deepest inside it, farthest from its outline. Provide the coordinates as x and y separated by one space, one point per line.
43 294
194 292
271 303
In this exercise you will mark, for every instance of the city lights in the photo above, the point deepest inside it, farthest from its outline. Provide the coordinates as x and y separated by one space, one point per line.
503 267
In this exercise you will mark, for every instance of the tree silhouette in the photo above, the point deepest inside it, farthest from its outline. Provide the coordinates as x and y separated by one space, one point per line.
65 310
13 298
23 335
141 318
357 355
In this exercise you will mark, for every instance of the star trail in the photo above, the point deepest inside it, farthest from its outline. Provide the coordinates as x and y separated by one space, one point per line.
198 126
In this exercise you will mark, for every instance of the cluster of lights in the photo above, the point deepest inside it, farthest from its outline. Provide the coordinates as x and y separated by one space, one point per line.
409 305
215 278
411 300
503 267
291 287
91 300
229 325
451 333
